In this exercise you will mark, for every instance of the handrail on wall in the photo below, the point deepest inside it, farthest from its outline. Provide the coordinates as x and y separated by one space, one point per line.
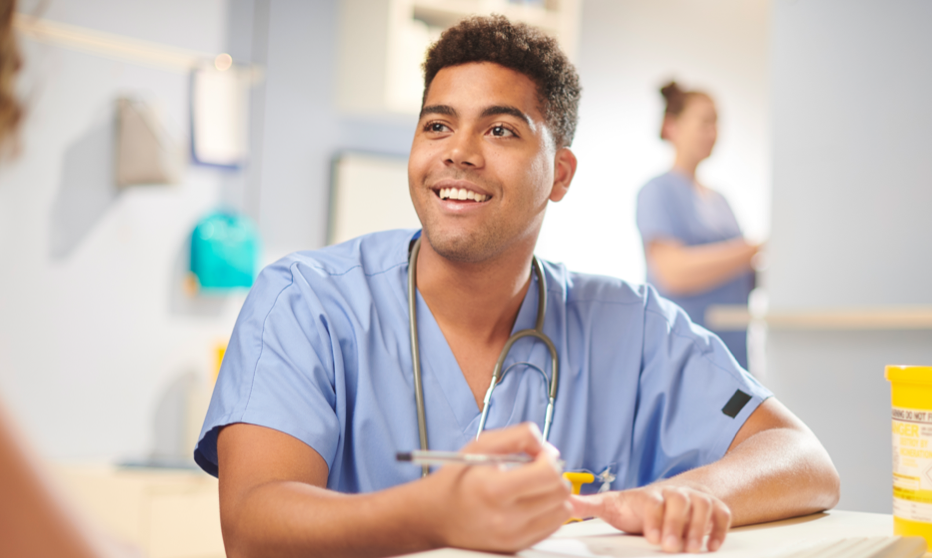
120 47
730 317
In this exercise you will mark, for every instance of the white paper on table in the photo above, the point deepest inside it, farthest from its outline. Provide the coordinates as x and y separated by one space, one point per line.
591 538
841 532
588 546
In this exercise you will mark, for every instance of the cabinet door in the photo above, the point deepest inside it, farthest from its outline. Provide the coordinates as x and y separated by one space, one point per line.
165 514
185 524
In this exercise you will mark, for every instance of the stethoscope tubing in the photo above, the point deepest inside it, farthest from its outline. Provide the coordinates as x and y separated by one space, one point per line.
415 351
497 374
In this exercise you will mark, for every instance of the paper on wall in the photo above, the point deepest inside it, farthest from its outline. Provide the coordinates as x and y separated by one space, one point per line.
220 116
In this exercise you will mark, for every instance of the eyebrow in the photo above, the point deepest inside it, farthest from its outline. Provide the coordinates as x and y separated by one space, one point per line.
488 111
492 111
438 109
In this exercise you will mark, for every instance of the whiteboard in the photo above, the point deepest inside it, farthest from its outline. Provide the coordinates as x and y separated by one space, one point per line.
369 193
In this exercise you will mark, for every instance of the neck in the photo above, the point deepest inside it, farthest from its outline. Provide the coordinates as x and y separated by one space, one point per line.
475 300
686 165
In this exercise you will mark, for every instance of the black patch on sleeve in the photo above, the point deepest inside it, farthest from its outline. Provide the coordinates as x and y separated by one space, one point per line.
736 403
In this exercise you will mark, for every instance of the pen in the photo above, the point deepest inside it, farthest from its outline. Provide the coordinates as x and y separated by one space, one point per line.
431 457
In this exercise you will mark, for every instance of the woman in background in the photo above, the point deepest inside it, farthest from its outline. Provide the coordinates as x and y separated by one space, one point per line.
35 522
695 251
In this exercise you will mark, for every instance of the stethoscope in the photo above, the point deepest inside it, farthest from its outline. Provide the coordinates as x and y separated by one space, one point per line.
497 373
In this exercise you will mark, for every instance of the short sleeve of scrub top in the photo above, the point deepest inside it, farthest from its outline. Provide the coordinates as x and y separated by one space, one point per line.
693 395
278 370
321 352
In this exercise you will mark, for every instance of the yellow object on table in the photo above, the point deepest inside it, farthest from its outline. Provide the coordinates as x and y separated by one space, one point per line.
912 450
577 480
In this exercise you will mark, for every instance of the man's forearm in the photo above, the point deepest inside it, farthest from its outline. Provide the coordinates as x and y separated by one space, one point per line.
272 500
774 474
285 518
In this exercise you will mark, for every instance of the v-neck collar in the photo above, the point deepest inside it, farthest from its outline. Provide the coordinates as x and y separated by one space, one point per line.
439 365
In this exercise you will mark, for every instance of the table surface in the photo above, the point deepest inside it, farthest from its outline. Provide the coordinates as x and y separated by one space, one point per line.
597 538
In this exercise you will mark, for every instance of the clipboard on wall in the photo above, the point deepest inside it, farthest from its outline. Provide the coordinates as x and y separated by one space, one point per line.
369 193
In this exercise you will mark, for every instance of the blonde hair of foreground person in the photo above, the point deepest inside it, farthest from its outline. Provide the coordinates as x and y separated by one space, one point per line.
34 520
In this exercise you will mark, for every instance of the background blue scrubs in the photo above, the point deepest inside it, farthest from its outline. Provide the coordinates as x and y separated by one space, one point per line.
670 208
321 352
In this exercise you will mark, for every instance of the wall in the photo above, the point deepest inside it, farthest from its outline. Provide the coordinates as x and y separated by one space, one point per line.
93 329
97 341
628 49
303 130
851 196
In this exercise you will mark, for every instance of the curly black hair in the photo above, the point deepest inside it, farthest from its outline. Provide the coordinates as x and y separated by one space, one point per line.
519 47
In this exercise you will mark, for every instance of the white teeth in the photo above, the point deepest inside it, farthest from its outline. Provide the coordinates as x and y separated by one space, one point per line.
461 194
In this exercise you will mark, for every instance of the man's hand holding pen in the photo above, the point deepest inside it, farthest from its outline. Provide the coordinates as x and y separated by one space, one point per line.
504 509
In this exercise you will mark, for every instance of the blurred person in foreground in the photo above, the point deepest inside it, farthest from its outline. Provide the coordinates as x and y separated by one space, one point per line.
35 522
695 251
316 392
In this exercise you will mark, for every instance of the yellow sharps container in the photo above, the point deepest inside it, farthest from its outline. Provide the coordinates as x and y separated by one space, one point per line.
912 450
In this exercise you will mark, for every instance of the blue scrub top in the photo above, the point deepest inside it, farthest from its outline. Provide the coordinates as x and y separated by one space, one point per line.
670 208
321 352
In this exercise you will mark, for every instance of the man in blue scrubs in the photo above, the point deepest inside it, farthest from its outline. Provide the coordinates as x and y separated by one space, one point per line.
316 392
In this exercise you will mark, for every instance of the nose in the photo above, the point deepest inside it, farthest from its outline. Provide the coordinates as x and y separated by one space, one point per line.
464 151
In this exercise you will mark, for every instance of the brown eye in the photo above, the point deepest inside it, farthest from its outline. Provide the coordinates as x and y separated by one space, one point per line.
501 131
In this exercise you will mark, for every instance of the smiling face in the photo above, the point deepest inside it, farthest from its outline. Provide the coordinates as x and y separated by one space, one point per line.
483 164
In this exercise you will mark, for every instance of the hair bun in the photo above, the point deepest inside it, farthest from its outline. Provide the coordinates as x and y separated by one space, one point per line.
675 99
671 91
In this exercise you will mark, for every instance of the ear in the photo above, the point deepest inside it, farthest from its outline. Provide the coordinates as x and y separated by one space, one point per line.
564 169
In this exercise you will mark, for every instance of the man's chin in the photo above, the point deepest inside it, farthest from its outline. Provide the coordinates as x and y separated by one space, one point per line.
461 247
